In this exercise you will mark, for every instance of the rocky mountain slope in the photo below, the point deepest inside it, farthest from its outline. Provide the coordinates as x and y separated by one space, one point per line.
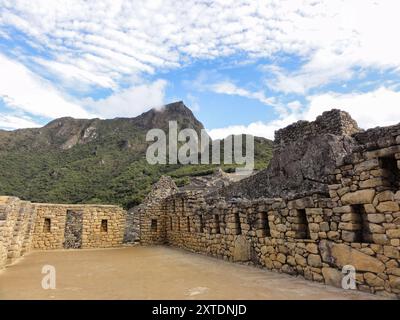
96 161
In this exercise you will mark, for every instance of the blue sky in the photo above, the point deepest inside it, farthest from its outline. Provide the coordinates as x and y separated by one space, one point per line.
241 66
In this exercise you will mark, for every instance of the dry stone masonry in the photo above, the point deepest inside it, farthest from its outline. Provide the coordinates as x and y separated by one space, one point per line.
25 226
330 198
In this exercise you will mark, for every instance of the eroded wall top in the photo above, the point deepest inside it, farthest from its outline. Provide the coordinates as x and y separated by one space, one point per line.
334 122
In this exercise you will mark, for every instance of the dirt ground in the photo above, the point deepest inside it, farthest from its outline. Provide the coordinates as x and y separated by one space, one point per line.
153 273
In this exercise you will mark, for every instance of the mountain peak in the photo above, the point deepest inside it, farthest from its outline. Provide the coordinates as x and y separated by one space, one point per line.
175 111
175 107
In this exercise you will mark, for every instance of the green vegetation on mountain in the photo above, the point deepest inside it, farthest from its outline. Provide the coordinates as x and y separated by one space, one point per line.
97 161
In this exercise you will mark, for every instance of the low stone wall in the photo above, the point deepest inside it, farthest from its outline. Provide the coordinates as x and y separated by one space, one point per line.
300 237
92 235
25 226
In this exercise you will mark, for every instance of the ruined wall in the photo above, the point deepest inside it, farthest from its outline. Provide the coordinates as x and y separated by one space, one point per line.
304 237
90 233
305 155
355 222
25 226
16 224
147 222
132 226
335 122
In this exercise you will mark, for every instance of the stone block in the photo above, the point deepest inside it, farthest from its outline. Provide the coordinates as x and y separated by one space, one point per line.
332 277
376 218
373 280
349 226
369 208
380 238
312 248
393 233
388 206
391 252
355 217
300 260
349 236
366 166
372 183
281 258
341 210
341 255
394 282
385 196
314 260
359 197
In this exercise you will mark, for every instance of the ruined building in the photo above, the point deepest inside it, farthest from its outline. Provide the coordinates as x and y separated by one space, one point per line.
25 226
328 199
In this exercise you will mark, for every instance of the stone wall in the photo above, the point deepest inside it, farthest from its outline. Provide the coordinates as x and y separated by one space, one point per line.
334 122
16 224
92 235
355 222
305 155
147 223
25 226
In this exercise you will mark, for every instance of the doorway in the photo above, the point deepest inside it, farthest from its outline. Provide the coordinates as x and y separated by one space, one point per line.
73 230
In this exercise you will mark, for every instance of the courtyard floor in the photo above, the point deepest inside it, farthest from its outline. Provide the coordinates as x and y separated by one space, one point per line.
153 273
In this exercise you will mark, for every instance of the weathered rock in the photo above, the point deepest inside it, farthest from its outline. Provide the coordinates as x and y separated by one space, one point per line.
341 255
242 250
359 197
380 238
371 183
312 248
300 260
314 260
391 252
394 233
366 165
388 206
333 277
376 218
394 282
281 258
373 280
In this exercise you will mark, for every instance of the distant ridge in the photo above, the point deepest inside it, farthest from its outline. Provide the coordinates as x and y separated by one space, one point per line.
95 161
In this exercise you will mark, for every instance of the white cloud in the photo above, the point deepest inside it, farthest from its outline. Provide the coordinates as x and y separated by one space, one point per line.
22 90
230 88
101 43
371 109
348 35
72 75
323 68
193 102
11 122
110 39
129 102
258 129
376 108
